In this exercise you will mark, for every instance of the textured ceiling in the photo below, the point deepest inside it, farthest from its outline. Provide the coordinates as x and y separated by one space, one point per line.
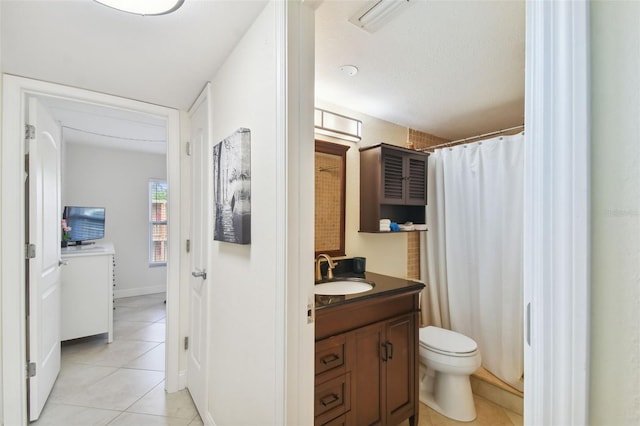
450 68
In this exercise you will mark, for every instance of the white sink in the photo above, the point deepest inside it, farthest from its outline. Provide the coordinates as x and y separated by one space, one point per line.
341 287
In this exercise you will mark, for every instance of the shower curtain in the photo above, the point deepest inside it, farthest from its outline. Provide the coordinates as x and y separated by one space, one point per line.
474 248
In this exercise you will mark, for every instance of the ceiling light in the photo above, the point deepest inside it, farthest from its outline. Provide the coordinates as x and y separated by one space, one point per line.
349 70
377 13
144 7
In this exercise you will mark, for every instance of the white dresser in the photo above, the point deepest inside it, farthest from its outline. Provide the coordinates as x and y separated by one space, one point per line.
88 277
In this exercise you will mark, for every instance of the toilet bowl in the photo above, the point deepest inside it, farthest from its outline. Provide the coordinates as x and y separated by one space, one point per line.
447 359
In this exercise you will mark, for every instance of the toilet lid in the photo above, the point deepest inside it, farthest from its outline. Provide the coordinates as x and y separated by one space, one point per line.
443 340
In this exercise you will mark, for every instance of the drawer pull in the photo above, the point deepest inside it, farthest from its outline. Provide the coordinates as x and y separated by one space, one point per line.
329 359
329 399
390 345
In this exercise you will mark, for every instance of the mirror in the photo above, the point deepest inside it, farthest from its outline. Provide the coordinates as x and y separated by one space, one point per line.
330 189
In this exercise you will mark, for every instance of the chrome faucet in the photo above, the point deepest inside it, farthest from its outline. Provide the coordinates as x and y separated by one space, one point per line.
330 265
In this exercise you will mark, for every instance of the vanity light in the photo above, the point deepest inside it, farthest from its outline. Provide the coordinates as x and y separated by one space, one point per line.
338 126
144 7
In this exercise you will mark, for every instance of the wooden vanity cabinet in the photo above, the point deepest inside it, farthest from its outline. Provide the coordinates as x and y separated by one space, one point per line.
393 185
367 374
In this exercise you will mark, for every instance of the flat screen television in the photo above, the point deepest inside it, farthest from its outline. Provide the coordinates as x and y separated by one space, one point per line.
87 223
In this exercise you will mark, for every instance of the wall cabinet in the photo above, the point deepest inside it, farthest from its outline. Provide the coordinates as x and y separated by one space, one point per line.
367 375
393 185
87 278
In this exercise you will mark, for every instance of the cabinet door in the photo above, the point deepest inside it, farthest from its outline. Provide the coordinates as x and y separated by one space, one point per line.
86 281
393 177
400 368
367 381
416 182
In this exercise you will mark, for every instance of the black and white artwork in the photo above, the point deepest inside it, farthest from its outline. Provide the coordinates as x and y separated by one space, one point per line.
232 188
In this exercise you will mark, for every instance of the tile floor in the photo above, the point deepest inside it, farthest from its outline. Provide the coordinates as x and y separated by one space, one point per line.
489 414
121 383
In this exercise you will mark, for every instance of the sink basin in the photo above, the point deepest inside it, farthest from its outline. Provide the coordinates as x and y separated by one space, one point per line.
343 286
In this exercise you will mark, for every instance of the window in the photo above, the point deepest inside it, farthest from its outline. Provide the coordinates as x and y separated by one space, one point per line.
157 223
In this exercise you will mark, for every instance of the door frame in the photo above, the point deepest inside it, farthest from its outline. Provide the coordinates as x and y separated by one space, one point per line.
557 213
15 91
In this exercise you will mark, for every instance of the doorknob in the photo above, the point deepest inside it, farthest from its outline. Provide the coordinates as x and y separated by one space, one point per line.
63 262
200 274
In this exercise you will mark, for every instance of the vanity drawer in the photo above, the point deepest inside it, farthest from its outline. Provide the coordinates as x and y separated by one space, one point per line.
330 355
332 398
343 420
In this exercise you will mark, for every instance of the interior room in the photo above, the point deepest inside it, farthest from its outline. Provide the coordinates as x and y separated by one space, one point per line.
383 152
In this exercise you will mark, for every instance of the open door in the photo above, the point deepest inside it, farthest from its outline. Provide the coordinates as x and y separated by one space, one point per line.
200 236
43 265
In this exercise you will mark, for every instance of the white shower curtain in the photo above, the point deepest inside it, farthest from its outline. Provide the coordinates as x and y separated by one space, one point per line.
474 248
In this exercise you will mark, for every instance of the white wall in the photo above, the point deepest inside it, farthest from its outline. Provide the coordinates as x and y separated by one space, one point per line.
385 253
615 286
243 379
118 180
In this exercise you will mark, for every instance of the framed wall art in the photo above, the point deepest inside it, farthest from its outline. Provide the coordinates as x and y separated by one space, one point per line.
232 188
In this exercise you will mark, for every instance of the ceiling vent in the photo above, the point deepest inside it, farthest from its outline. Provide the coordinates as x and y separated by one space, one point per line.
378 13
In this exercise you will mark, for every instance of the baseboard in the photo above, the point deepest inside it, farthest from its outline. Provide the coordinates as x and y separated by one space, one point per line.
497 395
209 420
138 291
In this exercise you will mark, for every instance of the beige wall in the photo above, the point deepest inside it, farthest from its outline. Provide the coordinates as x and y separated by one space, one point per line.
615 279
385 253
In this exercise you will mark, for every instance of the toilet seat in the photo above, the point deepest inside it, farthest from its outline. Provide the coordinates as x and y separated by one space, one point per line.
447 342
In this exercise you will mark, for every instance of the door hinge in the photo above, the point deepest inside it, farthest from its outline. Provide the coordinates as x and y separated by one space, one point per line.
188 148
188 246
30 251
186 342
29 131
31 369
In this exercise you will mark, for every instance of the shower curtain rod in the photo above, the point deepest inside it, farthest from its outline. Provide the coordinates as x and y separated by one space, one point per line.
459 141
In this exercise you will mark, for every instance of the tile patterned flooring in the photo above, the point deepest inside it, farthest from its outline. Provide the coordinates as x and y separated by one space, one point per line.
489 414
121 383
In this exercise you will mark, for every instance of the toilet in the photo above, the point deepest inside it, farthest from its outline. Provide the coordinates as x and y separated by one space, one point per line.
447 359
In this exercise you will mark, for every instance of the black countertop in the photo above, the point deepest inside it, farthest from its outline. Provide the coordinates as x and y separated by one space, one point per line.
383 285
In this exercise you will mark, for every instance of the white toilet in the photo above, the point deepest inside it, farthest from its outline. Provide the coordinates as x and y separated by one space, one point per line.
447 359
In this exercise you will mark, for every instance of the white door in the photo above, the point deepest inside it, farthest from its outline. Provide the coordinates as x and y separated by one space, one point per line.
43 271
200 236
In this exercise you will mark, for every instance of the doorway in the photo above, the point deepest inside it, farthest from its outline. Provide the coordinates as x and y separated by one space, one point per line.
16 90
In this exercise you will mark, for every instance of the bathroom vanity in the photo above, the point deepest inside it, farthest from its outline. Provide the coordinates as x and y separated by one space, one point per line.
366 355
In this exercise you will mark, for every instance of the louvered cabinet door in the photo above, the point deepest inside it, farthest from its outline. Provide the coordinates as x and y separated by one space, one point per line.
416 180
393 178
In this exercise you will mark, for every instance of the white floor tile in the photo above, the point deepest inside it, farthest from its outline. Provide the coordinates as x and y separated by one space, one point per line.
99 381
151 332
117 391
77 376
70 415
161 403
152 360
133 419
116 354
122 330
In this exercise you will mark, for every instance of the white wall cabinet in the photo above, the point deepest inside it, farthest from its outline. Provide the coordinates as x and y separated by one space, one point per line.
87 291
